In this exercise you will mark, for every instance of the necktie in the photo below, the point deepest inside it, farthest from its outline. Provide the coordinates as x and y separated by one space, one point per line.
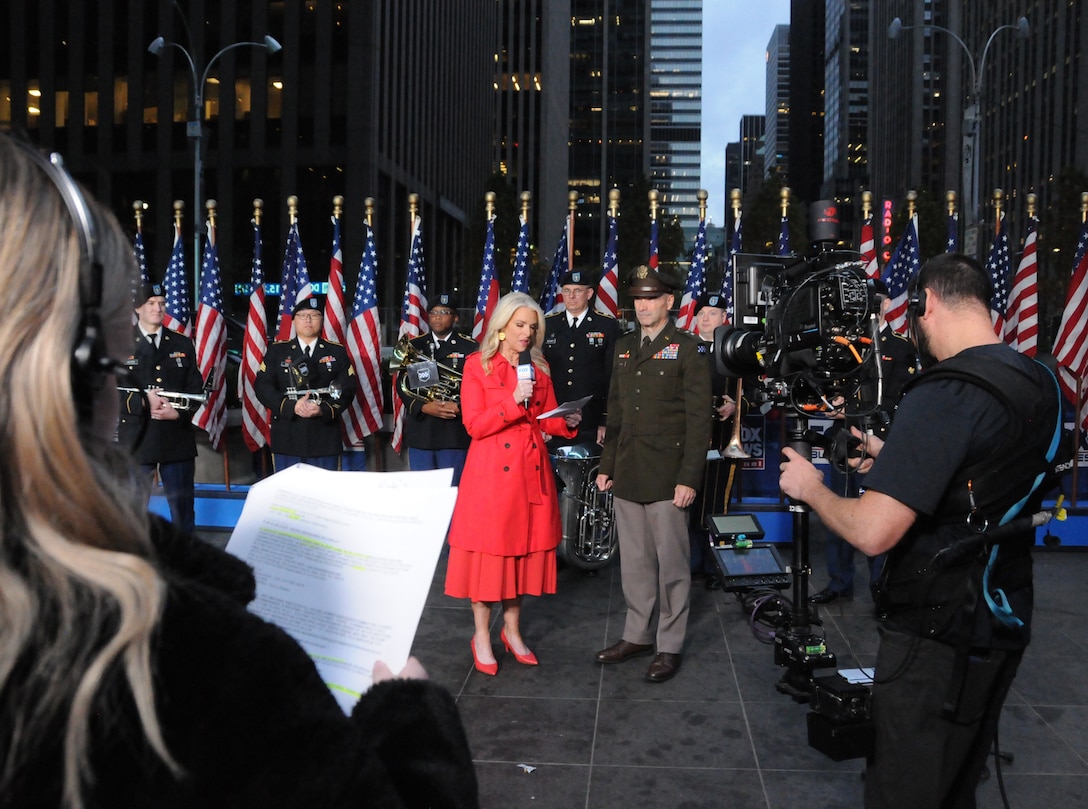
154 338
306 351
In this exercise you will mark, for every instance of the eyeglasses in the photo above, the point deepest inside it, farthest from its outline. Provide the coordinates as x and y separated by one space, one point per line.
442 312
309 315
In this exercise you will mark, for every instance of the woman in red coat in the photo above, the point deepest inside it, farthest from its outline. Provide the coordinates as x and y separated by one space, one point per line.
506 524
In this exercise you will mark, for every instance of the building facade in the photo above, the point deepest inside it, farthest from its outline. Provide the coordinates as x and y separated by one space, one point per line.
776 136
365 100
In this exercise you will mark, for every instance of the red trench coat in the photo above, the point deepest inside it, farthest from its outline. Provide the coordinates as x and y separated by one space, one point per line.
507 503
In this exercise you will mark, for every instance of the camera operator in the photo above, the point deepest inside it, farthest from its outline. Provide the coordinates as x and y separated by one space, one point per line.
898 364
971 439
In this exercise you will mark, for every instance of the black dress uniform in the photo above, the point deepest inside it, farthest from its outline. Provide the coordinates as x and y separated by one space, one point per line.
285 367
581 365
422 431
168 445
171 366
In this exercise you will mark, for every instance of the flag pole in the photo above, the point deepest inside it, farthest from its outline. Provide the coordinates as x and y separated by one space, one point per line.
572 205
211 206
1080 385
138 208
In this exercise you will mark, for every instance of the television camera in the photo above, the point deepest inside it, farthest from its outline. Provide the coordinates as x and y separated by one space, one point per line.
804 337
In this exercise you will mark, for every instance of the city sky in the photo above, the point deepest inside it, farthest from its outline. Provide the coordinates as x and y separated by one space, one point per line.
735 37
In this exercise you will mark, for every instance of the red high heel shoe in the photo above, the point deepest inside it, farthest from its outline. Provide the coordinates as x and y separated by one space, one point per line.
527 659
490 669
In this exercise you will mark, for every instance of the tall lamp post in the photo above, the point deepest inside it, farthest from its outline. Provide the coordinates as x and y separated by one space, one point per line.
971 118
194 128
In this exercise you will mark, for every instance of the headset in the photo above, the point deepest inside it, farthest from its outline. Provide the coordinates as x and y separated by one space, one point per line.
916 298
90 364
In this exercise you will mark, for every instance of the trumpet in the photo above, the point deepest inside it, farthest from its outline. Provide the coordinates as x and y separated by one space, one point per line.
334 391
735 449
178 400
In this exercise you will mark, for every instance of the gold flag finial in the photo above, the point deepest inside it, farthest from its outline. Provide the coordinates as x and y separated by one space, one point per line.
999 203
258 209
785 195
614 202
337 206
734 201
489 204
292 209
702 196
179 212
526 200
1084 206
653 196
138 208
950 201
572 201
211 205
1033 200
912 200
368 205
866 204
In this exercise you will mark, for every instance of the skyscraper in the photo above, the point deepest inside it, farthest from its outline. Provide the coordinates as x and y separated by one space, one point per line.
776 136
676 77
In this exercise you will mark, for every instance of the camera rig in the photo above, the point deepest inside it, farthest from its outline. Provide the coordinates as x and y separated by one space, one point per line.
804 338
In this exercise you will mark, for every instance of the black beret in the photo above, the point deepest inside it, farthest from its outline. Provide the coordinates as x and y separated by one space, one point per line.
151 291
578 277
713 300
443 299
312 303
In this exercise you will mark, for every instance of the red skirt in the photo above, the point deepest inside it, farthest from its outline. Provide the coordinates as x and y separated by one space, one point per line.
484 577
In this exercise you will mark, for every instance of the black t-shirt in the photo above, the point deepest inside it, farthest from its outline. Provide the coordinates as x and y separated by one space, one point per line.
940 427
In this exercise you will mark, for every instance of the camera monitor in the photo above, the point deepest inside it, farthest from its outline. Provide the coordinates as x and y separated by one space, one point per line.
728 528
749 272
746 568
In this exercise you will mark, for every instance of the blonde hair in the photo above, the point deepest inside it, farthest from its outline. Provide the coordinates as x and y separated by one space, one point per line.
79 596
504 312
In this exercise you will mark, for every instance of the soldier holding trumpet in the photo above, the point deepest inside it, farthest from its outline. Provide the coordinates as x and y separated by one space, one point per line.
157 429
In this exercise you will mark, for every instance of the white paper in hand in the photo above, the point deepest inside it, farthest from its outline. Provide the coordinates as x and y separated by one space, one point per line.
344 562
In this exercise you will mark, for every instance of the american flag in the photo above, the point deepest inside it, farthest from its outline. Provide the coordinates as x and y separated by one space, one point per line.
364 347
1022 316
332 327
255 416
997 267
953 243
1071 344
211 345
696 281
295 285
520 282
735 246
488 294
903 266
413 319
784 237
652 263
868 248
140 252
551 299
607 298
177 290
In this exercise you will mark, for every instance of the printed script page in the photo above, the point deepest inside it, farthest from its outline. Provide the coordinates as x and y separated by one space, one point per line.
344 562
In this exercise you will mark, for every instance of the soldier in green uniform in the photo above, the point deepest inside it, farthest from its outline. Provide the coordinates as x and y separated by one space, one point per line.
654 452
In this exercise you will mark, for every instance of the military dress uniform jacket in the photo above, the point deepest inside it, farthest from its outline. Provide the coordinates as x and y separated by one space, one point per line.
286 366
581 364
172 366
658 416
422 431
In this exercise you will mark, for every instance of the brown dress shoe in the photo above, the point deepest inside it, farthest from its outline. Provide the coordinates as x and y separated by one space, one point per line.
663 668
618 652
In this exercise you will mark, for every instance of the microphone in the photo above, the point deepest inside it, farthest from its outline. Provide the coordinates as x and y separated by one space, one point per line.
526 369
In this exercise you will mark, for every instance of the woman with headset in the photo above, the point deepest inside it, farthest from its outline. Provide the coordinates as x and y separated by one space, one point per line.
131 673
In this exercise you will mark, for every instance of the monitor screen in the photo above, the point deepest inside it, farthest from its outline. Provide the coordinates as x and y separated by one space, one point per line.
734 525
758 561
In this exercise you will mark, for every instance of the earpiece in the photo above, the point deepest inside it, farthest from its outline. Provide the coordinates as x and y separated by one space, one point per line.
916 299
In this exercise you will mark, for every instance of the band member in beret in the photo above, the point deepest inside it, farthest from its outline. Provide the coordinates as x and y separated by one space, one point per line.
654 452
578 344
433 431
305 382
160 435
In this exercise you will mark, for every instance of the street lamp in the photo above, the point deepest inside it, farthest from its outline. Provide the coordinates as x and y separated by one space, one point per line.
194 128
971 118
